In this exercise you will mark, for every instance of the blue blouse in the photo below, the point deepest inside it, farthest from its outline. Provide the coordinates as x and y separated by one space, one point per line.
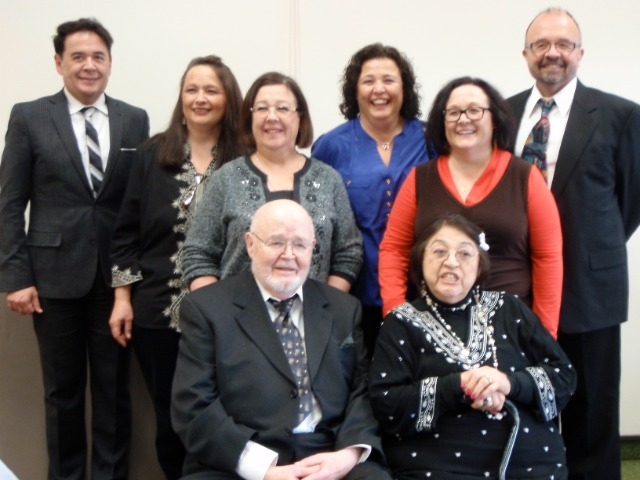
371 185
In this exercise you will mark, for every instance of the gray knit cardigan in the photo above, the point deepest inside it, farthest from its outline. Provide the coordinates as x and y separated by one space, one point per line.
215 242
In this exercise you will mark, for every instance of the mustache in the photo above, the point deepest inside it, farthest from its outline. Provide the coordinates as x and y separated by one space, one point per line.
546 62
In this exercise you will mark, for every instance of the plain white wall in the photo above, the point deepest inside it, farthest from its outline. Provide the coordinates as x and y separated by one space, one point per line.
312 41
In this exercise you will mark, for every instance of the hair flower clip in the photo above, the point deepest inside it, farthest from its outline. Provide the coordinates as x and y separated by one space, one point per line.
482 242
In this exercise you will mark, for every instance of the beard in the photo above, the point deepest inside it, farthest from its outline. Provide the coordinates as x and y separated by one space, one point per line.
276 285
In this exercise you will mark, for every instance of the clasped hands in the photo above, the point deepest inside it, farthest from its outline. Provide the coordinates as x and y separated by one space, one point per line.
322 466
486 387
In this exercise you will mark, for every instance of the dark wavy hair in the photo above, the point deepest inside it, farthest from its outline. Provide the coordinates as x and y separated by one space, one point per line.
81 25
460 223
503 120
305 132
170 143
411 98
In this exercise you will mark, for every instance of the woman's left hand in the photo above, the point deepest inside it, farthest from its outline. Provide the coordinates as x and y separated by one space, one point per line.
487 387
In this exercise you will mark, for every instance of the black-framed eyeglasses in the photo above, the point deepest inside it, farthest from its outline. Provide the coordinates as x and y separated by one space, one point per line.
280 110
472 113
279 245
543 46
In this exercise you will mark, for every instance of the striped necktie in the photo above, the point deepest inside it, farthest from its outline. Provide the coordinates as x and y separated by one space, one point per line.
535 147
296 354
93 148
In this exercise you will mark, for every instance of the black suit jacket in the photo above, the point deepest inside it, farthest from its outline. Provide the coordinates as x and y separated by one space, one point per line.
233 382
597 188
69 230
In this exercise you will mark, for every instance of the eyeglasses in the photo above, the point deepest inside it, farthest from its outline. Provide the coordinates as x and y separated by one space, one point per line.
279 245
193 193
280 110
472 113
441 253
543 46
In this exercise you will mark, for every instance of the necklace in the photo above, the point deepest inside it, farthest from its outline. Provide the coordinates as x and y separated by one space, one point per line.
480 335
383 145
214 159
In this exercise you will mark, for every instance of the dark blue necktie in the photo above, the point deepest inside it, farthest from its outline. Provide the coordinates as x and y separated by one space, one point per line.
93 147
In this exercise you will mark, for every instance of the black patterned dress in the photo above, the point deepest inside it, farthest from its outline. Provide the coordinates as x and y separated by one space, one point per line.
429 429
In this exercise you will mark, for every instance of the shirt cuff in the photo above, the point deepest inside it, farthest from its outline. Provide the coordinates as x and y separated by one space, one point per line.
255 460
366 451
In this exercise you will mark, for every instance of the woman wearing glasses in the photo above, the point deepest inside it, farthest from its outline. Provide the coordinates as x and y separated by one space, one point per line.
374 151
274 121
465 382
472 128
165 187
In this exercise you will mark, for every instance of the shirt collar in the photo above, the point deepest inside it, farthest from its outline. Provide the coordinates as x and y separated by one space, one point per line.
75 106
563 98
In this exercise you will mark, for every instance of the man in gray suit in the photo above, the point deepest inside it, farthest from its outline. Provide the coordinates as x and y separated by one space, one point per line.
593 169
71 163
240 404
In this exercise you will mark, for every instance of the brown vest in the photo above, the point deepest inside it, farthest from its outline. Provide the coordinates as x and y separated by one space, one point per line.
502 215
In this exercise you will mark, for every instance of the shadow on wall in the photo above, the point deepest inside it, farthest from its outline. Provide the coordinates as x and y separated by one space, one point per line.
22 441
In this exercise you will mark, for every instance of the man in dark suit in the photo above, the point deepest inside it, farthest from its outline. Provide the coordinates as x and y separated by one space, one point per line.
73 176
237 403
593 159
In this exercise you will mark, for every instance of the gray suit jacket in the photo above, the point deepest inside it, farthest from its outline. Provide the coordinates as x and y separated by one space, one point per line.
233 382
69 229
597 188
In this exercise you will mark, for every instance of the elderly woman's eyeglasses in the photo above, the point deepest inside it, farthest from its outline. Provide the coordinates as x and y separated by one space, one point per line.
472 113
279 245
543 46
441 253
280 110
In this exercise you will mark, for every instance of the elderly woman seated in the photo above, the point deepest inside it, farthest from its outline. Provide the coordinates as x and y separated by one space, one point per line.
467 382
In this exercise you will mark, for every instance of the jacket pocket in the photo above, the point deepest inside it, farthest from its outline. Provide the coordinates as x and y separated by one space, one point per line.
44 239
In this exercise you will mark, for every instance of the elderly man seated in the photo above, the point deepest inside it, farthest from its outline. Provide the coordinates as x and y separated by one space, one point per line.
270 381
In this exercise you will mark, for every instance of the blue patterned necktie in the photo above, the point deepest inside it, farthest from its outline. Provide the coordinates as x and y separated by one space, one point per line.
535 148
296 354
93 148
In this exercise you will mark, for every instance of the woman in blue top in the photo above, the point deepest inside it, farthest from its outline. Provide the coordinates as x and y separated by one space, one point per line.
373 152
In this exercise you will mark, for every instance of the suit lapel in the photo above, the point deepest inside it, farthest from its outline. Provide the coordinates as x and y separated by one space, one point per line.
517 107
318 324
254 320
62 123
580 127
116 125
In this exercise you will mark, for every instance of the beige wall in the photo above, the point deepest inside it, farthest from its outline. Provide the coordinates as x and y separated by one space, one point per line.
312 40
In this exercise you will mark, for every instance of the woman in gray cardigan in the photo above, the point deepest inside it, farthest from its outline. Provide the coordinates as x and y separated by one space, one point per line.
274 121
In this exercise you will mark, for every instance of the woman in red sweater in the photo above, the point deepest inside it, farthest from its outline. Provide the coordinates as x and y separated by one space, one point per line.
472 128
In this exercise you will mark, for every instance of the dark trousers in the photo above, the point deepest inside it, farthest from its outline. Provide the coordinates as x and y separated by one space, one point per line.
70 332
590 422
157 353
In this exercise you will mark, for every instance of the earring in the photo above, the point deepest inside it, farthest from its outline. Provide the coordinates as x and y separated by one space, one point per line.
423 289
184 122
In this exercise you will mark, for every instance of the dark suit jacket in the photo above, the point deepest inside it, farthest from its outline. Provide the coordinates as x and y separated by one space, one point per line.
69 229
597 188
233 383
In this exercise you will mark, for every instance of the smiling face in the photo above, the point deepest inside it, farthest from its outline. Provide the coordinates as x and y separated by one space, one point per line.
280 272
450 278
275 131
553 70
204 100
379 91
85 66
465 134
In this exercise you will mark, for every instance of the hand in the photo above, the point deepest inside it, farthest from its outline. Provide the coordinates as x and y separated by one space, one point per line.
289 472
339 283
200 282
487 387
331 465
25 301
121 318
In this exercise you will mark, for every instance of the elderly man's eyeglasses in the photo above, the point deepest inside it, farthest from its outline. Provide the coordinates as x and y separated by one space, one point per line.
280 110
543 46
441 253
472 113
279 245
